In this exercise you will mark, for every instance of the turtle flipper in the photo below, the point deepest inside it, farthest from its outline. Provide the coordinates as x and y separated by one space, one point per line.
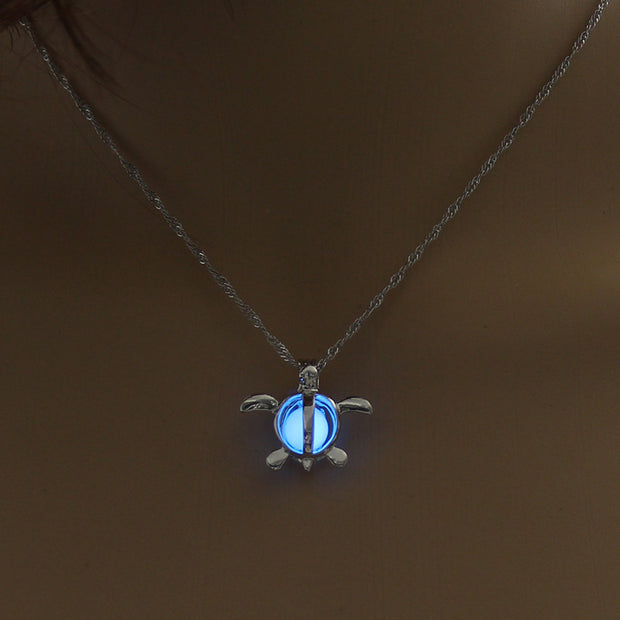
358 405
277 458
337 456
259 402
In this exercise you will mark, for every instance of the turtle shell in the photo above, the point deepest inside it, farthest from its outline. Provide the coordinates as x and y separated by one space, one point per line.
289 424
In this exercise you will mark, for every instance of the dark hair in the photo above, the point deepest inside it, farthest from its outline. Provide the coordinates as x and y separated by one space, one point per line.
66 14
13 10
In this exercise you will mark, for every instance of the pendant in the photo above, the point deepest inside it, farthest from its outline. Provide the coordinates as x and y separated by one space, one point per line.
306 423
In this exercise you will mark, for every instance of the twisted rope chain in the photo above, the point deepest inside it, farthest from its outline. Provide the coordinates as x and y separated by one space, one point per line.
222 281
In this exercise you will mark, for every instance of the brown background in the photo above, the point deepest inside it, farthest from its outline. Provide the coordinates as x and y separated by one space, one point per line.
310 146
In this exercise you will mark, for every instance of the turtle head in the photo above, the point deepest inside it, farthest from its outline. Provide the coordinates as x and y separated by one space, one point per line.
308 380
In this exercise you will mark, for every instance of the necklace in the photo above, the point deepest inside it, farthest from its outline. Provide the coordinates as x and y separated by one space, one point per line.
307 423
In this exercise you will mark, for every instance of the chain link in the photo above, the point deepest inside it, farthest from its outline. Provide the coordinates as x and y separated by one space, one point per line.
223 282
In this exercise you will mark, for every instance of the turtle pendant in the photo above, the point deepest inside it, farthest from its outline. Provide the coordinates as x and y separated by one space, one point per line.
306 423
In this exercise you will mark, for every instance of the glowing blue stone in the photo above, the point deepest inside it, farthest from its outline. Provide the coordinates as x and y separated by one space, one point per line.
289 423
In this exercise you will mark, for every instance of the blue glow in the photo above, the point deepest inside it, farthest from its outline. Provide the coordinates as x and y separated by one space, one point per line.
292 425
289 423
325 423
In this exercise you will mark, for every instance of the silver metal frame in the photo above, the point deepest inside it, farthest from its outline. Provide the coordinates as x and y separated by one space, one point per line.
308 388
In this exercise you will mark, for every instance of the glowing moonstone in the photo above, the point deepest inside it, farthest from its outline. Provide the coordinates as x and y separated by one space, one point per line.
289 423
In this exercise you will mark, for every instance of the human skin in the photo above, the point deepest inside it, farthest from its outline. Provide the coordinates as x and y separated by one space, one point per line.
309 147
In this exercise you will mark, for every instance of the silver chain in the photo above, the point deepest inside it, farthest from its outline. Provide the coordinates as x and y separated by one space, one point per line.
222 281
